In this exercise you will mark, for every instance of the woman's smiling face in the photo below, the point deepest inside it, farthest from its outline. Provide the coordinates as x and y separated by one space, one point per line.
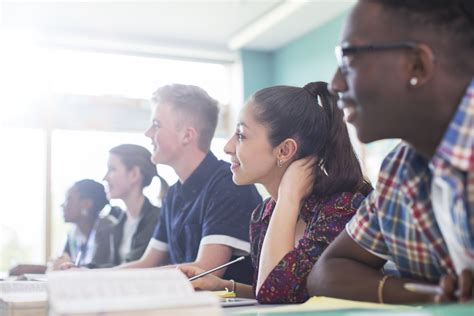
253 158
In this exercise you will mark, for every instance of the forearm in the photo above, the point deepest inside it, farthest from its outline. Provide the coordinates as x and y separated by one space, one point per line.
349 279
28 268
279 238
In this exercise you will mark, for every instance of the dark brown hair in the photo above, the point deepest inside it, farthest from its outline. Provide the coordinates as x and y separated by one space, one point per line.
311 117
133 155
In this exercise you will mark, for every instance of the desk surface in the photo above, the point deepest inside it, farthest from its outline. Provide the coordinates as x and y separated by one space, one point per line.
446 310
428 310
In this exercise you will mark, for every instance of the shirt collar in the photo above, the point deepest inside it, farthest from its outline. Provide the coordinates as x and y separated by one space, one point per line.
193 185
457 145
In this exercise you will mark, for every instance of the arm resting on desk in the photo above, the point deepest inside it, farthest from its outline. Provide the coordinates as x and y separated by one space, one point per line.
27 268
346 270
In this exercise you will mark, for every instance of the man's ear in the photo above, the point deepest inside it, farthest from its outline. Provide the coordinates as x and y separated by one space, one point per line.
421 66
189 135
287 150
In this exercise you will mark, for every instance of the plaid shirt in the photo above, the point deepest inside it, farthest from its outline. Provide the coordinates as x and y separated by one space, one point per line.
397 223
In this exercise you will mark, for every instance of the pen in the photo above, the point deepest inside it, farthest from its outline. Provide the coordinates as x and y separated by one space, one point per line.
197 276
426 289
78 259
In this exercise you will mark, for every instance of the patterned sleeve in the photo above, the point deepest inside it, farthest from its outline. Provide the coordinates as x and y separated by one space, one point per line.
364 228
287 281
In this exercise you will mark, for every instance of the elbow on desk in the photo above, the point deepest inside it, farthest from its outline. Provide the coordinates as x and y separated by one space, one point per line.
320 278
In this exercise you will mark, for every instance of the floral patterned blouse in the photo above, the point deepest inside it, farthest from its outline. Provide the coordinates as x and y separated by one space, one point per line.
325 218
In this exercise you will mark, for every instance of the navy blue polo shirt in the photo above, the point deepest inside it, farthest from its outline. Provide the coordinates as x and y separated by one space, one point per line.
208 208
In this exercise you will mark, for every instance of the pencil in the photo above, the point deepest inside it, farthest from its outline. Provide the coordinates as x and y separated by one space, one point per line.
78 259
197 276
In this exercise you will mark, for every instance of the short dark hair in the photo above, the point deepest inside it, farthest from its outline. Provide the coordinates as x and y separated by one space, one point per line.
194 102
90 189
310 116
135 155
453 16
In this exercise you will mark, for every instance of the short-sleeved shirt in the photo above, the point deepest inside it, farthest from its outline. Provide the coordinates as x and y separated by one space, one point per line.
399 222
79 247
208 208
83 249
325 218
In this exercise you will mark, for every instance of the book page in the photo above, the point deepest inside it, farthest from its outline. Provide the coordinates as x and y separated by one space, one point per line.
120 290
17 287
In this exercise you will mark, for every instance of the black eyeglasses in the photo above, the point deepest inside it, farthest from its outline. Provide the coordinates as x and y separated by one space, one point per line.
343 52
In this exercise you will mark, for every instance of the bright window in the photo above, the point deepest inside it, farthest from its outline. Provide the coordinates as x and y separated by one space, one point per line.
31 75
22 212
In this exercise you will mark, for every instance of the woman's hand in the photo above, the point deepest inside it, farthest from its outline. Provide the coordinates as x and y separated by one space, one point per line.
63 263
298 181
463 285
207 283
55 264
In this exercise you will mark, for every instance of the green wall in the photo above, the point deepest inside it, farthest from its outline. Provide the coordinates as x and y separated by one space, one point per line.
257 68
308 58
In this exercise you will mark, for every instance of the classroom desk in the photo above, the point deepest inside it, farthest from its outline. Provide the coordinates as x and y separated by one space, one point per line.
427 310
446 310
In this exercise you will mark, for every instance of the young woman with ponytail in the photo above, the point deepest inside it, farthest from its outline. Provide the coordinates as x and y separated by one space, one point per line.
294 142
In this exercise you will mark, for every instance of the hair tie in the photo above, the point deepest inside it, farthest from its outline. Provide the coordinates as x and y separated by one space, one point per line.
310 92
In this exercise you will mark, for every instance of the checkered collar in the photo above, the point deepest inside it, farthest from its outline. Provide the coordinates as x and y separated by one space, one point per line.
457 146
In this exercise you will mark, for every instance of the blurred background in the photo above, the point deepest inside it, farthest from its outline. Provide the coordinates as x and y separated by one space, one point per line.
75 79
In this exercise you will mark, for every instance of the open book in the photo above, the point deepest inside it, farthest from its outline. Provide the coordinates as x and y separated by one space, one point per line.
23 298
128 292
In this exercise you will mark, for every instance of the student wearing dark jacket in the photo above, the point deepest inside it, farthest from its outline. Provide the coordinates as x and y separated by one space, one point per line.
110 239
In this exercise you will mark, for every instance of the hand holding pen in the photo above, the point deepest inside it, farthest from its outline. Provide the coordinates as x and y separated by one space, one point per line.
205 280
216 268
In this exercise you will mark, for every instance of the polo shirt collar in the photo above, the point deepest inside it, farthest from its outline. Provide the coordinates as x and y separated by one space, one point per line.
457 146
194 184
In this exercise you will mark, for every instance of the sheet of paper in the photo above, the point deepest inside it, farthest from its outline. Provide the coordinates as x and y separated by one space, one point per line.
329 303
322 303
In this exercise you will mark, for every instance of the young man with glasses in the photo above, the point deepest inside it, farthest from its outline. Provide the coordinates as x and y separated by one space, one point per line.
406 71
